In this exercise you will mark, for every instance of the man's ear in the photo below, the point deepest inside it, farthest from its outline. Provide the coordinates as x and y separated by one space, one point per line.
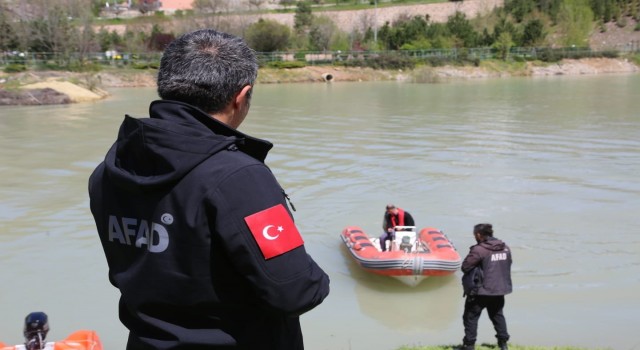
242 97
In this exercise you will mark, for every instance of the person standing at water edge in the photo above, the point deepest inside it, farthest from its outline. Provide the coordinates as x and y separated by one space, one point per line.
493 257
196 230
393 216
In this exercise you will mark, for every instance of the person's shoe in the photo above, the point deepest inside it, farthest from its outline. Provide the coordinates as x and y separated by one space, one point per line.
467 347
503 345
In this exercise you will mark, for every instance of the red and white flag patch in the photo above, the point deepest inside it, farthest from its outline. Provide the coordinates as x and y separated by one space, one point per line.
274 231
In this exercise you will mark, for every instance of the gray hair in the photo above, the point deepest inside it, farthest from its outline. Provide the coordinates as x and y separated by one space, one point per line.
206 69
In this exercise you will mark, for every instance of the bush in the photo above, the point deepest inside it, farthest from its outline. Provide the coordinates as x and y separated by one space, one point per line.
267 36
437 61
391 61
610 54
15 68
285 64
381 61
84 67
300 56
49 66
146 65
549 55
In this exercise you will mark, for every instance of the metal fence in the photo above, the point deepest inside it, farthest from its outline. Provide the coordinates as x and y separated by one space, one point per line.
44 60
58 59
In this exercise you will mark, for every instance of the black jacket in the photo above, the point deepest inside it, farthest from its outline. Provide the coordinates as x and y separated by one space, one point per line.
493 256
170 202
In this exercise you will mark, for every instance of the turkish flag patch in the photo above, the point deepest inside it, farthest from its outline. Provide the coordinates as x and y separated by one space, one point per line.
274 231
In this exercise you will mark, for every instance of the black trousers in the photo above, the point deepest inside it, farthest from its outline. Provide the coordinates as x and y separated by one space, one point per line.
473 307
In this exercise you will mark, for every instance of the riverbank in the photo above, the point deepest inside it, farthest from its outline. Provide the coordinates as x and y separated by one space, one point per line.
55 87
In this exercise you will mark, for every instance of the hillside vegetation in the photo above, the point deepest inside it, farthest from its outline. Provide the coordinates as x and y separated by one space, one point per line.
66 34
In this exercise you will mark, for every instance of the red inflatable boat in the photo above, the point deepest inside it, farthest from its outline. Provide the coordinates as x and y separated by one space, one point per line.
78 340
411 257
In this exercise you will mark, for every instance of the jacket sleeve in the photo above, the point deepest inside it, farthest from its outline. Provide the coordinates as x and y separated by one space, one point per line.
473 259
291 283
408 219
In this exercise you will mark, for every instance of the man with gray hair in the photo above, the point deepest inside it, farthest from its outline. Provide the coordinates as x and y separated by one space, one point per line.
196 230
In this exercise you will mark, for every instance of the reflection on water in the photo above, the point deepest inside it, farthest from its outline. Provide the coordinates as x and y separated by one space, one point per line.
557 177
428 306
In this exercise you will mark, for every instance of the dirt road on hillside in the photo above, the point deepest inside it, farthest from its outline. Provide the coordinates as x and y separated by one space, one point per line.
362 19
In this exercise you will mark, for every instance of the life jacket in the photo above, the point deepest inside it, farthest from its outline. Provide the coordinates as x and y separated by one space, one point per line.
400 218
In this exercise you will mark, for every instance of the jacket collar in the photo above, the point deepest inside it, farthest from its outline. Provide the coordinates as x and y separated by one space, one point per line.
183 112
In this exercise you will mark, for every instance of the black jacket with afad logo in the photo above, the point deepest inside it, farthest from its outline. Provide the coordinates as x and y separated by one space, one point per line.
199 238
493 256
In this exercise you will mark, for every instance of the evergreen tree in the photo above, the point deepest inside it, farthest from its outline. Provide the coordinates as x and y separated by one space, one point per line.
303 17
533 33
460 27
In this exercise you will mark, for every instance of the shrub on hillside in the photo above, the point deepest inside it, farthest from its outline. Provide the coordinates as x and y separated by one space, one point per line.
15 68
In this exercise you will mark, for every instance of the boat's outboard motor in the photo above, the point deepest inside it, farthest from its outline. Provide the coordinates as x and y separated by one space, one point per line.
36 327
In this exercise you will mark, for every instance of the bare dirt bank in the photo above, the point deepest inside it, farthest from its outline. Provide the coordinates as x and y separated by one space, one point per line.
490 69
82 87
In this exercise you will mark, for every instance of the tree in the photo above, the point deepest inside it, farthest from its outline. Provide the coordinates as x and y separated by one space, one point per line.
520 8
551 8
303 17
84 37
533 33
460 27
504 25
503 45
158 40
267 36
134 39
321 32
576 21
53 33
8 37
405 30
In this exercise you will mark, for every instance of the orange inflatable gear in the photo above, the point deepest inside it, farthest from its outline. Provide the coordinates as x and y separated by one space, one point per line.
80 340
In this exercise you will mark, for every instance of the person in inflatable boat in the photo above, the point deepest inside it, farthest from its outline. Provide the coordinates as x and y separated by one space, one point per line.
393 217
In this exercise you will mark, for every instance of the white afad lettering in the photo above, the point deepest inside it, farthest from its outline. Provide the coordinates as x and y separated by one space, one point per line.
138 233
114 230
499 256
163 239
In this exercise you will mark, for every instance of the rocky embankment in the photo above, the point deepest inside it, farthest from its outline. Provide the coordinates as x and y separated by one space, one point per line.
46 96
40 90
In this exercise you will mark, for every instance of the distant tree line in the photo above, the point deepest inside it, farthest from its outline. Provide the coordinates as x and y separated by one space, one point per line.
68 27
